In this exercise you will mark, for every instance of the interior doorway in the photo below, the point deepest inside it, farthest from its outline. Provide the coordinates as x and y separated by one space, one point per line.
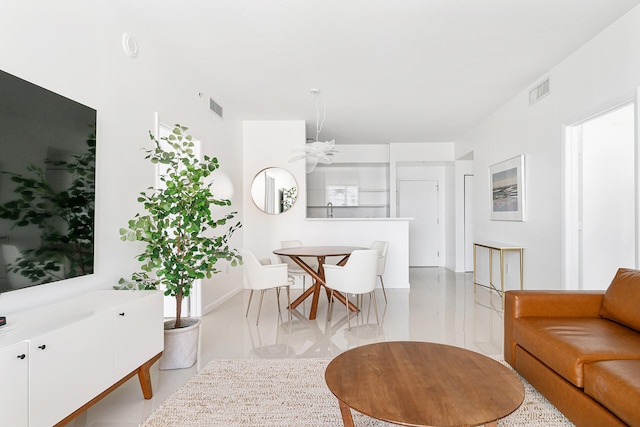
468 223
418 199
601 198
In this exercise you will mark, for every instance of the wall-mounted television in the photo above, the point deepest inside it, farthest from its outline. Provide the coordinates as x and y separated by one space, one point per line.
47 185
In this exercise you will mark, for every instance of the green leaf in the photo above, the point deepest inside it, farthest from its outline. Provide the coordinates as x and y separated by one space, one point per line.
176 228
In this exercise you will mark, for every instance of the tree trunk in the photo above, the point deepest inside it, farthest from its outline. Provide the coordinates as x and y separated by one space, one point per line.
178 309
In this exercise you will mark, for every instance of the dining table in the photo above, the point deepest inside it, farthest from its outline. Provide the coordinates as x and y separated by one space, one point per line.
297 254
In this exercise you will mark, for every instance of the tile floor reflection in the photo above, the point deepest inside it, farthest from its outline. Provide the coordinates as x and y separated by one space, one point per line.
441 306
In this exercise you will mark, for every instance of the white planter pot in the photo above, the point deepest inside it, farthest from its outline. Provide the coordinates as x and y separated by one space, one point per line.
180 345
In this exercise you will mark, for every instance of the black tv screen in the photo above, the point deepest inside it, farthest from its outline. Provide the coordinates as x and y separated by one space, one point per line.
47 185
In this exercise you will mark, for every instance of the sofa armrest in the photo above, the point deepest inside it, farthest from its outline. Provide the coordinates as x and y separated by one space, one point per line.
530 303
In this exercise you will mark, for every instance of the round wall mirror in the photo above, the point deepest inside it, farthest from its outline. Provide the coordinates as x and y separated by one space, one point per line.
274 190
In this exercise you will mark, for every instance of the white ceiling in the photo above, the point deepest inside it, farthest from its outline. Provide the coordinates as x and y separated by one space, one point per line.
388 70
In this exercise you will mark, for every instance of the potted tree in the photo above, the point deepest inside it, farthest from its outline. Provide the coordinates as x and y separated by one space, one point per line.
177 229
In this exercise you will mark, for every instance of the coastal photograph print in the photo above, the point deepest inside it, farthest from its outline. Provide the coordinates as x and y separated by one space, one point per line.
507 190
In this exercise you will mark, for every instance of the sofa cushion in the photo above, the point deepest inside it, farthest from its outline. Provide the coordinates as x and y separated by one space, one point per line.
616 385
565 344
622 299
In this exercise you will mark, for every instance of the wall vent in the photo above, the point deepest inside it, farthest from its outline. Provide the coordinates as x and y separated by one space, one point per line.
215 107
539 92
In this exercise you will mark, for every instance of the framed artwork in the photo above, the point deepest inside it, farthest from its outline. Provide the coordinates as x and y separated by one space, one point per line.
506 181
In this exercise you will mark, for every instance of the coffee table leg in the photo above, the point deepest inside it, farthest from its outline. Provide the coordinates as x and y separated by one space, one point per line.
347 419
493 424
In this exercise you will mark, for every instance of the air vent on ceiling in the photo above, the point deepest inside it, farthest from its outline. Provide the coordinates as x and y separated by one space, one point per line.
539 92
215 107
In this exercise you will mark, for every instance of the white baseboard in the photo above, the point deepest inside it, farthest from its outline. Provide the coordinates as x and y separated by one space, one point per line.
220 300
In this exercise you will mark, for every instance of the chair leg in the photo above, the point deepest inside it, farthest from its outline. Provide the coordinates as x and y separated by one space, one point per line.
278 299
346 306
383 290
289 305
330 307
375 306
249 304
260 306
304 289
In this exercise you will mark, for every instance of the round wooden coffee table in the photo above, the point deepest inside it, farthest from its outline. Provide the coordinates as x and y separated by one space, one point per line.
423 384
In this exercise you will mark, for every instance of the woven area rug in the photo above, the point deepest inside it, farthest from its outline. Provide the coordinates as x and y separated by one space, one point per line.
290 392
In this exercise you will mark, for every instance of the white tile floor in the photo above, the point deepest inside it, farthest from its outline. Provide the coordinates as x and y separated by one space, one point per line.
441 307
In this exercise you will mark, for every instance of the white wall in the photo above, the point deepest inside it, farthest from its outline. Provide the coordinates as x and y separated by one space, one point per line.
75 50
271 144
603 72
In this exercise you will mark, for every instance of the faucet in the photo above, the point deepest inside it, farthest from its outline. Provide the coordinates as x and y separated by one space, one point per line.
329 210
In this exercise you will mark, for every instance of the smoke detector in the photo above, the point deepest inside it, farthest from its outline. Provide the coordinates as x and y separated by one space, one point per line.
129 45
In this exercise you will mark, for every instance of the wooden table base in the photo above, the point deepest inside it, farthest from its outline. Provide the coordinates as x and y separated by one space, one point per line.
318 284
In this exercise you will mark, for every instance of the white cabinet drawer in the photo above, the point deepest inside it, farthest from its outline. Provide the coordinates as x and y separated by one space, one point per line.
14 374
138 333
68 367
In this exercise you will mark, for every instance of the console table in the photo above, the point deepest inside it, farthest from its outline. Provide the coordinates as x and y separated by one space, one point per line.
501 248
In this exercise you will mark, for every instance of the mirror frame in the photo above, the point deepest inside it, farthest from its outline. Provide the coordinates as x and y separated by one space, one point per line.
283 182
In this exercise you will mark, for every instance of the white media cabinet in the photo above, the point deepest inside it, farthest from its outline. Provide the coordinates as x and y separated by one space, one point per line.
59 359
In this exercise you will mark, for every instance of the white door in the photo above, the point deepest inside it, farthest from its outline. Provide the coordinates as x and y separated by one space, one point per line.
468 222
138 334
83 348
418 199
14 371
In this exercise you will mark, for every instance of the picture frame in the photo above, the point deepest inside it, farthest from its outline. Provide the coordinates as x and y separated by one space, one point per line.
507 190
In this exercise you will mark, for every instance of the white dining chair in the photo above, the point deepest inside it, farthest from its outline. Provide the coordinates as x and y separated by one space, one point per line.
382 260
356 277
264 276
294 269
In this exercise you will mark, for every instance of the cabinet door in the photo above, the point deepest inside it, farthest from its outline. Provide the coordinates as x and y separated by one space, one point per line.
138 333
14 375
68 367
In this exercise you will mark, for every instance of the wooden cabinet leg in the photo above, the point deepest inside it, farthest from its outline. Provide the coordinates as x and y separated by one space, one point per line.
145 377
145 383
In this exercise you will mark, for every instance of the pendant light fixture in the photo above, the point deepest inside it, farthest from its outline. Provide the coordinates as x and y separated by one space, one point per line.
317 151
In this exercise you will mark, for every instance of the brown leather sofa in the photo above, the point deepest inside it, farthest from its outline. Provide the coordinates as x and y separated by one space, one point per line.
580 349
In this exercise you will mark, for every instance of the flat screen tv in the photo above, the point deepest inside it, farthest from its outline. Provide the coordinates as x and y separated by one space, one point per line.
47 185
